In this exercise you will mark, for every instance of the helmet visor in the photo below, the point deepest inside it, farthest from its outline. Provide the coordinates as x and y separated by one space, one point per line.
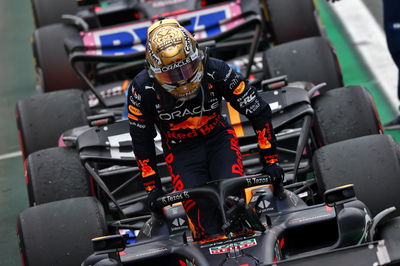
183 72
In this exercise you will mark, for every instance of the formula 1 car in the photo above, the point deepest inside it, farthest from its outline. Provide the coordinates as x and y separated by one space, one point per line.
119 26
99 162
311 59
315 222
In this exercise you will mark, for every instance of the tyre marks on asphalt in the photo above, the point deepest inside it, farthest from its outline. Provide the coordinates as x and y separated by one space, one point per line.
10 155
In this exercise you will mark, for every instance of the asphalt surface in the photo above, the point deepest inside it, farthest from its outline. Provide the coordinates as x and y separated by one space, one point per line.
17 81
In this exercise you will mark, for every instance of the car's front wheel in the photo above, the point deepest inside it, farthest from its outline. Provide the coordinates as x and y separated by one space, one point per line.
59 233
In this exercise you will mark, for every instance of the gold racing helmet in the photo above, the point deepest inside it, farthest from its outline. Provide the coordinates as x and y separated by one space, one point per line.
174 59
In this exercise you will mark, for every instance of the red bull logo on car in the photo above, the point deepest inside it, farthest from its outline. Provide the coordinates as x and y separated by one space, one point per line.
131 38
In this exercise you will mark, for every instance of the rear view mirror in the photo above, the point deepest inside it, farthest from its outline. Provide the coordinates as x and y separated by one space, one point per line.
87 2
106 244
274 83
339 195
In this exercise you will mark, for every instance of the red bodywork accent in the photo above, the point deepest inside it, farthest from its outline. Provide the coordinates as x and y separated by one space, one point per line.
282 243
136 15
168 14
92 189
376 114
212 239
21 144
188 205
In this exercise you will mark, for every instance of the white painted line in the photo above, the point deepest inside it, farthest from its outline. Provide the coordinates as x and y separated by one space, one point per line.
10 155
370 40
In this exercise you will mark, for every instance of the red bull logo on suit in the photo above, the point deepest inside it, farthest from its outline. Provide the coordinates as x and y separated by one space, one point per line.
195 122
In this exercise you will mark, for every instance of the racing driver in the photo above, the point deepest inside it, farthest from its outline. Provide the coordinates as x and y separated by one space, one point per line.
180 93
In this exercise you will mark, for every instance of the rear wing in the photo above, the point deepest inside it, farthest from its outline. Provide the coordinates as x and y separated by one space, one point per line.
213 26
204 24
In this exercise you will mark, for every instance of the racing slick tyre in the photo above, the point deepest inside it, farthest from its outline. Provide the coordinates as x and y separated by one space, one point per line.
371 163
59 233
46 12
53 69
311 59
55 174
345 113
41 119
290 20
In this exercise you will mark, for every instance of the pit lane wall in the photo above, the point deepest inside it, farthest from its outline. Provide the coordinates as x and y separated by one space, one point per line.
361 47
369 38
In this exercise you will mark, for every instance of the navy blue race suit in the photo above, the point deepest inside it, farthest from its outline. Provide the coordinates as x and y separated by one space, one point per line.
198 142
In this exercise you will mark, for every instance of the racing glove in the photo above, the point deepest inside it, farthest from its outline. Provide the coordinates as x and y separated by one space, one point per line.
276 173
152 197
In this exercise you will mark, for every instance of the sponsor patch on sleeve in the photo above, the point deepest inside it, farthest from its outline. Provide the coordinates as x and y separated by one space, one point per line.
134 110
240 88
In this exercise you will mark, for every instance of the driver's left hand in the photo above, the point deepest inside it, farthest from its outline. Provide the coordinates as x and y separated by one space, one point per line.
277 175
275 171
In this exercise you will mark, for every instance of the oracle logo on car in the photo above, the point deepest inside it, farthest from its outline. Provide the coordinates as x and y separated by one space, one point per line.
131 38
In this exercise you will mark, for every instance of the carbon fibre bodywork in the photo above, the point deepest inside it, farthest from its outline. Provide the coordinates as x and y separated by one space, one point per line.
290 230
